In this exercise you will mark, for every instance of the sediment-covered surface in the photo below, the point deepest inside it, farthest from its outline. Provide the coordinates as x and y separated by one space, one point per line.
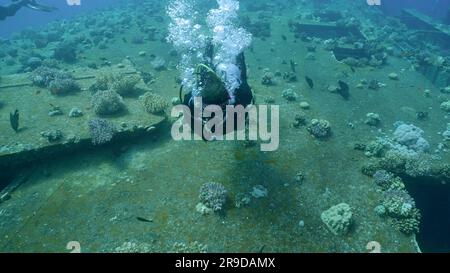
144 190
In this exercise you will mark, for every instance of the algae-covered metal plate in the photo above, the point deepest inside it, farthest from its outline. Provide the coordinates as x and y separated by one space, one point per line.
34 104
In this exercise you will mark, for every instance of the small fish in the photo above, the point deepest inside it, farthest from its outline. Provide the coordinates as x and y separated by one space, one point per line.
124 40
284 37
352 69
38 92
14 120
310 82
293 65
344 90
142 219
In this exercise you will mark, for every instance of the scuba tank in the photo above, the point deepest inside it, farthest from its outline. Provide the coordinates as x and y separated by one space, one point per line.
211 87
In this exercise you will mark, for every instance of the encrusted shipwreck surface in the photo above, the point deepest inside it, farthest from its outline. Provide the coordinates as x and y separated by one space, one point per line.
140 194
36 104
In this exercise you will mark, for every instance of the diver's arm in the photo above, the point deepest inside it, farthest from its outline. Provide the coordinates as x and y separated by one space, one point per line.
10 10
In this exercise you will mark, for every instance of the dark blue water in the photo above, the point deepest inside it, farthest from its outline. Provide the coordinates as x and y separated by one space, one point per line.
26 17
433 199
30 18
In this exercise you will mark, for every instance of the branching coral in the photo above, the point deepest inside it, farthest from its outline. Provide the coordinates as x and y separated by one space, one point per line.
445 106
213 195
44 75
153 103
409 225
383 178
124 85
107 103
58 81
338 218
398 203
320 128
102 131
52 135
289 94
63 86
101 84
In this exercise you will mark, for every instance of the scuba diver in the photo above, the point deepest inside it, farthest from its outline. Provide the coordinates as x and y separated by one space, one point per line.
12 9
214 91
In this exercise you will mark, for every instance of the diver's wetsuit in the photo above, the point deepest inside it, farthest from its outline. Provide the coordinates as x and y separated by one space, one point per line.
243 94
11 9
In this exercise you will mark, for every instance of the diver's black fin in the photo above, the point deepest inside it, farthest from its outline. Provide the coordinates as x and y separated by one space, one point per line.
240 62
180 94
209 52
36 6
